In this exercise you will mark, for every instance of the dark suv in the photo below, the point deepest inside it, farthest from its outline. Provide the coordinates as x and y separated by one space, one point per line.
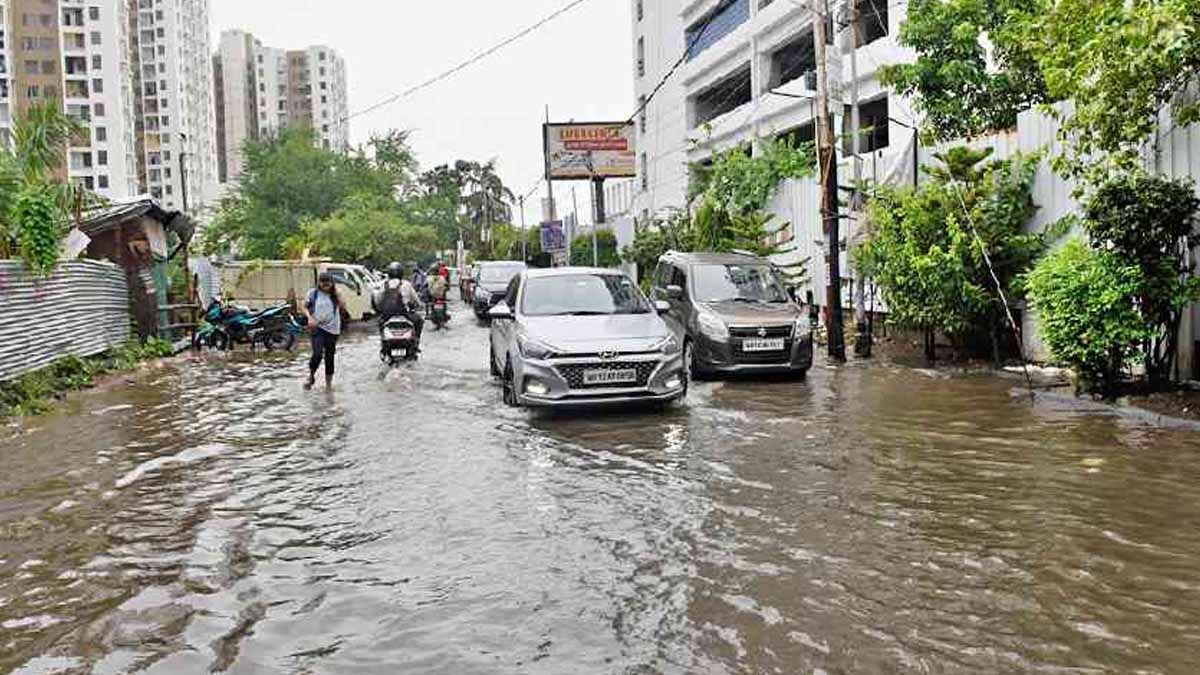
733 313
491 282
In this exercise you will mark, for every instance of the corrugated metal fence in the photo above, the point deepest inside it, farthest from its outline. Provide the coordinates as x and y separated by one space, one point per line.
81 309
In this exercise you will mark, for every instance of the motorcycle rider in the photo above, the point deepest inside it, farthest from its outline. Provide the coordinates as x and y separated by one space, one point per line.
398 297
420 282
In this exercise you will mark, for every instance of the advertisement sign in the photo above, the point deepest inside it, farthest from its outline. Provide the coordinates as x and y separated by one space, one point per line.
554 239
579 151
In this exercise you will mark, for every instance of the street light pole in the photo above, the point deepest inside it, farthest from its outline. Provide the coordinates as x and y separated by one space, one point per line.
524 234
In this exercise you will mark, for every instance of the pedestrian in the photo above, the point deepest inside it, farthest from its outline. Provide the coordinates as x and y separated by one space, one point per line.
324 310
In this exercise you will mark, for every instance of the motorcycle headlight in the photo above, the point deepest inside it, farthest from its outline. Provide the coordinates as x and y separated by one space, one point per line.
532 349
712 326
669 345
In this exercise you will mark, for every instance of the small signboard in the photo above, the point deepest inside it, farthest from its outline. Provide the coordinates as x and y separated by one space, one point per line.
553 238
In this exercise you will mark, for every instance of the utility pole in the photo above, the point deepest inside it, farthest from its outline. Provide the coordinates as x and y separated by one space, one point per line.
524 234
575 217
826 158
187 273
597 208
862 339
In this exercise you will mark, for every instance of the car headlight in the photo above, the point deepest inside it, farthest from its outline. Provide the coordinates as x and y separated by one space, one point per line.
532 349
803 326
712 326
668 346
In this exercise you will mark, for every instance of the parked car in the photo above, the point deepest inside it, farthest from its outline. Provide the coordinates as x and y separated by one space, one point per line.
576 336
491 282
733 314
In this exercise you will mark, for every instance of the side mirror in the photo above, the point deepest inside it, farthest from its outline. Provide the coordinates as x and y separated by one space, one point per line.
675 292
662 306
500 311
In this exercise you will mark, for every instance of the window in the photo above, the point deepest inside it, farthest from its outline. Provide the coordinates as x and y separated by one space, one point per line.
51 91
98 109
793 60
322 71
641 56
101 134
639 10
94 13
324 99
872 124
97 62
260 60
873 21
324 85
102 182
321 56
102 157
97 86
722 97
168 189
644 170
49 68
642 113
33 67
95 37
709 29
32 91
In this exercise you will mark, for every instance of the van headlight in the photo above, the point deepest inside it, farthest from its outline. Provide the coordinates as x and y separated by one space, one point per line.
803 326
532 349
668 346
712 326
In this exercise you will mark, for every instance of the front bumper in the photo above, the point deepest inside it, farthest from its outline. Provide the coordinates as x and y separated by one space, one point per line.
724 356
553 374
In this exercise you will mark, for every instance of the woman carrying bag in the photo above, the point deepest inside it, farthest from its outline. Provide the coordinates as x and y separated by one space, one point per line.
325 312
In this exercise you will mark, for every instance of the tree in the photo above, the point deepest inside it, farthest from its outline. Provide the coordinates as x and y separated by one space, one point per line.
1148 222
963 87
937 252
1084 298
367 230
461 200
581 250
35 205
1119 63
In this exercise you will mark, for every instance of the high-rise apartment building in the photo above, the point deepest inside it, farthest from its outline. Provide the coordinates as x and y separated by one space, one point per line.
135 73
261 90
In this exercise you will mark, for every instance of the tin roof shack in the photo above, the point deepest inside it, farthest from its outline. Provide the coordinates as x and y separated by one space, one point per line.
141 237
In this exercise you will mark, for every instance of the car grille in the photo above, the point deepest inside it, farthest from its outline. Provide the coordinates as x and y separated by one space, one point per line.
573 373
753 331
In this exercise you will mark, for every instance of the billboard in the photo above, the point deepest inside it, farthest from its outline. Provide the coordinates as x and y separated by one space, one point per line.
579 151
553 237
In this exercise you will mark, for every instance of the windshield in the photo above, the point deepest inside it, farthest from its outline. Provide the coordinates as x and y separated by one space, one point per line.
583 295
497 274
746 283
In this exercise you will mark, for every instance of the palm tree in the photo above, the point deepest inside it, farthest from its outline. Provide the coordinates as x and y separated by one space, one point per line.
35 201
486 200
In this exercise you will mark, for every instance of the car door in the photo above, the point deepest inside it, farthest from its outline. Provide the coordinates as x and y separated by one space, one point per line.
677 316
503 331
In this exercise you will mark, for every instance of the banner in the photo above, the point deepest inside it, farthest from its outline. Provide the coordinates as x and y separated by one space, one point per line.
590 150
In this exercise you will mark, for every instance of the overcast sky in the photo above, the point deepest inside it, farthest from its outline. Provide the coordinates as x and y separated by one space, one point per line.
580 64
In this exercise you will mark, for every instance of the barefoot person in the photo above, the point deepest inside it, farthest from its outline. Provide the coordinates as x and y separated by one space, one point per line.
324 311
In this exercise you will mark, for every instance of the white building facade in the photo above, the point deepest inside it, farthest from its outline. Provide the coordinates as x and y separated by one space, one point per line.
262 90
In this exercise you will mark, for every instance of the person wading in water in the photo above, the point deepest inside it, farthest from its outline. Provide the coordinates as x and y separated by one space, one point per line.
324 310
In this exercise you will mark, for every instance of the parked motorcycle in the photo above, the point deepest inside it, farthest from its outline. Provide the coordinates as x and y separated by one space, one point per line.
227 324
397 341
439 313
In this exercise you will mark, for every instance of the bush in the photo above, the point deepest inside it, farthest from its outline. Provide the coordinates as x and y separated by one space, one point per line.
581 249
1085 299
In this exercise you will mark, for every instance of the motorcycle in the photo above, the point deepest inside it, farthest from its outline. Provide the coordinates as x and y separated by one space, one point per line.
439 313
397 341
227 325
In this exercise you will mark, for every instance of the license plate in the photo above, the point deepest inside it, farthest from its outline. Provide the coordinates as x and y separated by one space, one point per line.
613 376
762 345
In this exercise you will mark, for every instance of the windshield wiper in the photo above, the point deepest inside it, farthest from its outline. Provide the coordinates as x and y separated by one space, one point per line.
586 312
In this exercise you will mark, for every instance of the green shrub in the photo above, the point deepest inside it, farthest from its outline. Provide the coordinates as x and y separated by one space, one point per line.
1089 320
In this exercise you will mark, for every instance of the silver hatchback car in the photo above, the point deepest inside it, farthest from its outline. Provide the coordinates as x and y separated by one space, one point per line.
577 336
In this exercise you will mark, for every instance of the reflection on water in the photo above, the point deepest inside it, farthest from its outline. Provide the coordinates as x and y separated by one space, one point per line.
214 517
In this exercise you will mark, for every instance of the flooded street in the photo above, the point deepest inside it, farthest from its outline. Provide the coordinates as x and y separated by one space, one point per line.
214 517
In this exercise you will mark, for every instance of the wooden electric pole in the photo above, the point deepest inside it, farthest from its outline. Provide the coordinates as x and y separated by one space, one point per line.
827 159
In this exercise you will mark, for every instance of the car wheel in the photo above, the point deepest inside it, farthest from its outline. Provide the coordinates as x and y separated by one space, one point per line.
692 371
510 387
495 372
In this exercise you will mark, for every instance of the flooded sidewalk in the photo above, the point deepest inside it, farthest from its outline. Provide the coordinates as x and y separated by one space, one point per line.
213 517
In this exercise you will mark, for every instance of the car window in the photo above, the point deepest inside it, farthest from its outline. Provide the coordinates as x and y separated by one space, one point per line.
582 295
679 278
744 283
661 276
497 274
510 296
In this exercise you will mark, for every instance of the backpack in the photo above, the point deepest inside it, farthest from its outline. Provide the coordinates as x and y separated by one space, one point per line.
390 302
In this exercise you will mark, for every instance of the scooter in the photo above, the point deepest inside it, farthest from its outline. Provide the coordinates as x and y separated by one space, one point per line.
397 341
439 313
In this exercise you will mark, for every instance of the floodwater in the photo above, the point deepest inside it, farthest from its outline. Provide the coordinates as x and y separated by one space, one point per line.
213 517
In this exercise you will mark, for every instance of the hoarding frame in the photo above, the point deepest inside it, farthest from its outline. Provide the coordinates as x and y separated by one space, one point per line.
630 126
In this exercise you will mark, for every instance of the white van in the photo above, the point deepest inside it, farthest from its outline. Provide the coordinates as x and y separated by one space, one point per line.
264 283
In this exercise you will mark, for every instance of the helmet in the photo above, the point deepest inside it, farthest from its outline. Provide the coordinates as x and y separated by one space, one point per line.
395 271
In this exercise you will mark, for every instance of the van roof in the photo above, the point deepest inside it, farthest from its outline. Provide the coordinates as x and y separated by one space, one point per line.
710 258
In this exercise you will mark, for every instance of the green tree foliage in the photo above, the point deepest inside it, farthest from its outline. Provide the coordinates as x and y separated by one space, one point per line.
1148 222
462 199
581 249
952 81
1084 299
367 230
288 181
36 206
927 247
1119 63
652 240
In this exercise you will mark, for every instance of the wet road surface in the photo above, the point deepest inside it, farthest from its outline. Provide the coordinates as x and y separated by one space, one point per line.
214 517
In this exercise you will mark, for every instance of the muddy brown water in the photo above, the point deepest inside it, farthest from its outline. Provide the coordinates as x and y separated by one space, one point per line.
213 517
